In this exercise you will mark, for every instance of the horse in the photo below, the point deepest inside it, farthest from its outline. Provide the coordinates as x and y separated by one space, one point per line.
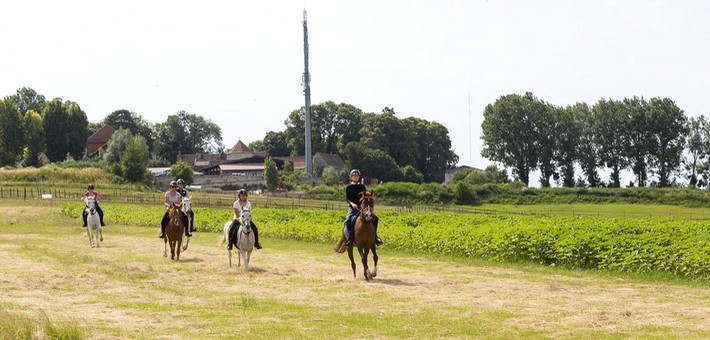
364 236
174 231
187 210
93 222
245 240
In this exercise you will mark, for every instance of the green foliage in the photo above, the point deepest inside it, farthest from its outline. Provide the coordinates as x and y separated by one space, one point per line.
271 175
12 138
184 171
186 133
134 122
117 145
134 161
34 138
331 176
640 245
77 129
56 174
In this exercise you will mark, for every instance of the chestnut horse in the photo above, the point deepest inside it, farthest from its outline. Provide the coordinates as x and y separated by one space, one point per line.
364 236
174 231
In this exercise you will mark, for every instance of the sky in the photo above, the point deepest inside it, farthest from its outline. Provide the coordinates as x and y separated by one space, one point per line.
239 64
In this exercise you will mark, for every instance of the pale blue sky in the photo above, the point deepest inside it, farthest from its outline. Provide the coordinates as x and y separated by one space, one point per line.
239 63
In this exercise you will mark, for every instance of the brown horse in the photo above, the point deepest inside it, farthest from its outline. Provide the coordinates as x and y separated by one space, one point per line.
174 231
364 236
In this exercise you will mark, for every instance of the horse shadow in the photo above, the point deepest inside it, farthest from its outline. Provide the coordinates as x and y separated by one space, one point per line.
192 260
392 282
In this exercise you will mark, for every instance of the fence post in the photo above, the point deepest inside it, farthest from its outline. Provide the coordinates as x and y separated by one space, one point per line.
25 194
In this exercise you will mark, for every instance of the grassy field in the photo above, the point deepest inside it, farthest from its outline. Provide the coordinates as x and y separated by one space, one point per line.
127 289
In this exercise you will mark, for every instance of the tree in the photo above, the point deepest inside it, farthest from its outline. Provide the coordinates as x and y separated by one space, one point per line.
276 144
509 135
116 146
184 171
568 143
410 174
28 99
186 133
55 125
372 162
668 128
132 121
34 138
610 125
434 154
271 175
397 138
698 141
11 134
545 121
77 129
587 146
134 161
637 134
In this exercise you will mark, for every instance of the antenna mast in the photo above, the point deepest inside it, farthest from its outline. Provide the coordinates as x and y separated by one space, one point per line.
307 92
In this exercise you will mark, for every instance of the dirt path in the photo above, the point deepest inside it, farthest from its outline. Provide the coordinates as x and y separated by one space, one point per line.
126 288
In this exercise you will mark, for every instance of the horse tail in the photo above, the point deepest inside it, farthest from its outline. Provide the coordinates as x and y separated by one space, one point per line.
221 241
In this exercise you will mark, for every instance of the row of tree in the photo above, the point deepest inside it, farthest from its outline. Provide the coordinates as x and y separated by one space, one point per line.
648 137
381 145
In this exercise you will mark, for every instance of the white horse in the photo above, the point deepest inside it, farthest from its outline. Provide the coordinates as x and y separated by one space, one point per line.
187 209
93 222
245 240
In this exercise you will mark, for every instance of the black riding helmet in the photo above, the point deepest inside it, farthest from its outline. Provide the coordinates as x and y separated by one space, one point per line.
91 186
242 192
354 172
180 181
173 184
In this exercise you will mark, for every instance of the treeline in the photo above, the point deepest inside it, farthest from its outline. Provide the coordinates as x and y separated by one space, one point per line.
381 145
648 137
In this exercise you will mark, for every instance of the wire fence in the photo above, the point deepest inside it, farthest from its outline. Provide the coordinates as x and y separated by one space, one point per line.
279 201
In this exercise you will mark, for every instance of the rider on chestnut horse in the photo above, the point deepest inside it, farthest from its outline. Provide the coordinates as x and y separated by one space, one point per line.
353 193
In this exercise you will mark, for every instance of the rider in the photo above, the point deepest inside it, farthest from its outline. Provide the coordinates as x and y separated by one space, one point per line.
95 195
239 205
172 197
353 192
183 192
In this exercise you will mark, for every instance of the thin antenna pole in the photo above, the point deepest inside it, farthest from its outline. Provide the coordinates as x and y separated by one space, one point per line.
470 140
307 93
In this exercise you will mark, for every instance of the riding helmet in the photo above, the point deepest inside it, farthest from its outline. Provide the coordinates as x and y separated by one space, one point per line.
354 172
180 181
91 186
173 184
242 192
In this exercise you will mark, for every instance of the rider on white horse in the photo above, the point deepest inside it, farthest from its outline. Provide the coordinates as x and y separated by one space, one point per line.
240 205
183 192
95 195
353 193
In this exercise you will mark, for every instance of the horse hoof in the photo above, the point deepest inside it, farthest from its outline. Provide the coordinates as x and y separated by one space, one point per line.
101 239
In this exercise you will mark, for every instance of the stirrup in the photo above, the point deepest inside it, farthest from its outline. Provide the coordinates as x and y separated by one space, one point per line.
257 245
162 235
378 241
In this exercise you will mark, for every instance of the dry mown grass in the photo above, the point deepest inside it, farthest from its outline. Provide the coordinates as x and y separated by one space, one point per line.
126 289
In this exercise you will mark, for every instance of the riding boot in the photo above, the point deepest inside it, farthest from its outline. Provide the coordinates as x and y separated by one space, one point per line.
378 241
257 245
232 235
163 223
83 216
349 241
101 215
192 221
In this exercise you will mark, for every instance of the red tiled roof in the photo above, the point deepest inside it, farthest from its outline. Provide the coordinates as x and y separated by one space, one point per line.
98 139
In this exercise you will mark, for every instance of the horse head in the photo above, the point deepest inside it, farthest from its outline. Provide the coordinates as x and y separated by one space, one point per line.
186 204
246 220
90 204
367 206
174 213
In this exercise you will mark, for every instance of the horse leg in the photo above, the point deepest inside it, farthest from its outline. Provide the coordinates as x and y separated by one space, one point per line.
165 253
374 259
352 260
101 233
98 231
363 255
179 244
247 255
239 257
91 237
184 248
